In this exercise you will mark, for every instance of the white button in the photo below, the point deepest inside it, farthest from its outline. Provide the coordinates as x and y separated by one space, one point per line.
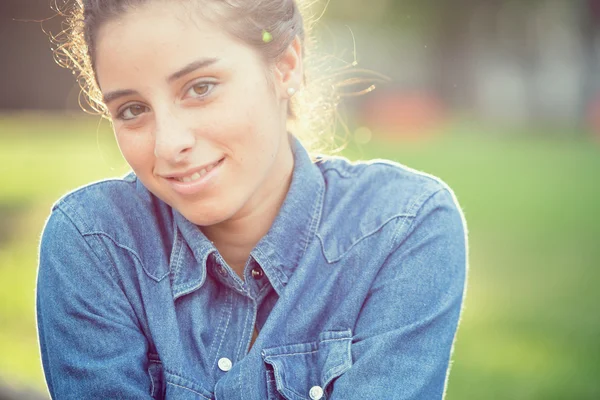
316 393
225 364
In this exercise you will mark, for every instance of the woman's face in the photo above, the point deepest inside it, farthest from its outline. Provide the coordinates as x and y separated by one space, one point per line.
194 113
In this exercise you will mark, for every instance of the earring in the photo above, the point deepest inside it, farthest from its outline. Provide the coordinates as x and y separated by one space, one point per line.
291 91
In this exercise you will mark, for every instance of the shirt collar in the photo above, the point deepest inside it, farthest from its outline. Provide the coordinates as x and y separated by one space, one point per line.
279 251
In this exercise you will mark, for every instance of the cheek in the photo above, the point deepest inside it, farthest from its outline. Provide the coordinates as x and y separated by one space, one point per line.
242 132
137 151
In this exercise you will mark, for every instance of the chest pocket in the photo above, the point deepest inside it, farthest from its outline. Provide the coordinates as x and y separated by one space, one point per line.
305 371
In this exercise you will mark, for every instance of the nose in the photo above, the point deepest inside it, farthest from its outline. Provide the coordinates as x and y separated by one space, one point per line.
173 139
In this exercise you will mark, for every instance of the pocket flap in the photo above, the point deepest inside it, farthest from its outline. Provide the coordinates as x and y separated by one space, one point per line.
299 367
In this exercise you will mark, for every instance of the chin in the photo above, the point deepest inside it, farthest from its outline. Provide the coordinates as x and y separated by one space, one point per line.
204 220
206 215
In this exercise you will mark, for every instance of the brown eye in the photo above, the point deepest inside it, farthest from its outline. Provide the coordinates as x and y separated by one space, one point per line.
137 110
132 112
201 89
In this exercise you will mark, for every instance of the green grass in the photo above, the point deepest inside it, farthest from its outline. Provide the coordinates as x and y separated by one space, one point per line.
530 327
42 158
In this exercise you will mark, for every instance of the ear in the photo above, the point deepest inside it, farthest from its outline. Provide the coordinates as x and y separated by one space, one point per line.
289 70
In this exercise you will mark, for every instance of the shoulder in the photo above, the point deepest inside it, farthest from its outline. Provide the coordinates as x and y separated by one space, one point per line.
390 188
376 197
121 209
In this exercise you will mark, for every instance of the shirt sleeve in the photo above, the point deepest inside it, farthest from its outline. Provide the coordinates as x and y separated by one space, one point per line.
405 332
91 344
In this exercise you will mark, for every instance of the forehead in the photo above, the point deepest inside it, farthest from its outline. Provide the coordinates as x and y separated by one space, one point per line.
160 37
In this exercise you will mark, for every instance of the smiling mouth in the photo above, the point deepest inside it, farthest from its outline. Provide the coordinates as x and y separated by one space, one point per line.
199 174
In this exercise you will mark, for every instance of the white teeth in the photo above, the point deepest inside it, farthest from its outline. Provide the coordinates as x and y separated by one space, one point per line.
194 177
197 175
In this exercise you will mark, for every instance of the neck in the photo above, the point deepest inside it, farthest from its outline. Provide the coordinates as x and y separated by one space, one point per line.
236 237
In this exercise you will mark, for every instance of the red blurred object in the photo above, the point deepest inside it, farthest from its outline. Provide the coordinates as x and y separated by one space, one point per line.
403 115
593 115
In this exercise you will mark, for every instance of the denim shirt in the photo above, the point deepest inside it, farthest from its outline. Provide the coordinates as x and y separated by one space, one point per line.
356 292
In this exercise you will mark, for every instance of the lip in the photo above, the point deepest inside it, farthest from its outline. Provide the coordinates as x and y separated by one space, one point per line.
197 186
190 171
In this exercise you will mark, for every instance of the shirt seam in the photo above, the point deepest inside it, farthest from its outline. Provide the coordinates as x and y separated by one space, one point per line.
246 323
229 312
418 206
316 219
72 218
112 271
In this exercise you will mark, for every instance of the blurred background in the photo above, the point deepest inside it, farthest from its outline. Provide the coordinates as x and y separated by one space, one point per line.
500 98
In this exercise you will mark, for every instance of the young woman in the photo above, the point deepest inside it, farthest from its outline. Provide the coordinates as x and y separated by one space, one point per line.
230 264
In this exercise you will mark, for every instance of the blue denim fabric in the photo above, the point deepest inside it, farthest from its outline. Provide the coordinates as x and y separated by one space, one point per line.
356 293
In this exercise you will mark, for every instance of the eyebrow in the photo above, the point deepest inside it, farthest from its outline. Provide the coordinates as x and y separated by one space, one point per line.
191 67
112 96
